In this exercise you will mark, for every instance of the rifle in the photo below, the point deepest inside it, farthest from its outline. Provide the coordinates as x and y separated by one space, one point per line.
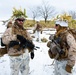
27 44
59 50
23 44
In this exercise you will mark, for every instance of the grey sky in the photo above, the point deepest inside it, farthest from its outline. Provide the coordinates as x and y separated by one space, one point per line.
6 6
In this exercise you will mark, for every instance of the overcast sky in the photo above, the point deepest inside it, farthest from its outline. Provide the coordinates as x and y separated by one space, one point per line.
6 6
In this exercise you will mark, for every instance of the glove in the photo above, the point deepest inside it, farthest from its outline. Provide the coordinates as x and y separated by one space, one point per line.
32 55
68 68
13 43
51 37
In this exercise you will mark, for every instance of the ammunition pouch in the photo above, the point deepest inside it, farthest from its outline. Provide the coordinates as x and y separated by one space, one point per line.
51 55
53 51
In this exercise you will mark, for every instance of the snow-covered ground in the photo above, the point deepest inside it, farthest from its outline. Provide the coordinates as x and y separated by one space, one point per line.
40 65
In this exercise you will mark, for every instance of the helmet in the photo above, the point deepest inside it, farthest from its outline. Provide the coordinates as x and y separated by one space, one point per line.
63 23
20 17
18 14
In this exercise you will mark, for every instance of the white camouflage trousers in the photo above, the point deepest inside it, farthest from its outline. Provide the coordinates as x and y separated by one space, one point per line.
37 35
20 64
60 68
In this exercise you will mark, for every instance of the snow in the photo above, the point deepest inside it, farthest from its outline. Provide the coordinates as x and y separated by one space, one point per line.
40 65
2 27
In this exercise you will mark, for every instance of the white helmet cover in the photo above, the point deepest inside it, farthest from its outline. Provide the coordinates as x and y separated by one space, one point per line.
62 23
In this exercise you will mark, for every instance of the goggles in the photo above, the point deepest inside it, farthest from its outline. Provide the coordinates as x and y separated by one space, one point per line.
21 20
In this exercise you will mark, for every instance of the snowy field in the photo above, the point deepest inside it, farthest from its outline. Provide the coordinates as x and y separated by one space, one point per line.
40 65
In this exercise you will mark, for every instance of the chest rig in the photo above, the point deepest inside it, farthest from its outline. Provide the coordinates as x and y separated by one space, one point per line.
62 41
14 51
19 31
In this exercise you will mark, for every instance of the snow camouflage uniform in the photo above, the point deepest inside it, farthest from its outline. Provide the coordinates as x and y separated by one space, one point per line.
65 63
19 60
38 31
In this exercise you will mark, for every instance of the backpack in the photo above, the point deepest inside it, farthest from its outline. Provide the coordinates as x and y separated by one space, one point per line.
38 27
73 32
2 44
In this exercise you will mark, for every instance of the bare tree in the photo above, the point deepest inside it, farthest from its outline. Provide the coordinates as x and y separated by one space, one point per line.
34 12
73 14
46 11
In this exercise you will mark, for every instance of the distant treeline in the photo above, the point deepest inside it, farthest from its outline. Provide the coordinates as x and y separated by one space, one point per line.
48 24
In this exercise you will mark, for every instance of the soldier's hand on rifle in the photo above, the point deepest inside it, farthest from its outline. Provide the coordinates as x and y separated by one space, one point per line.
32 55
51 37
30 45
25 42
